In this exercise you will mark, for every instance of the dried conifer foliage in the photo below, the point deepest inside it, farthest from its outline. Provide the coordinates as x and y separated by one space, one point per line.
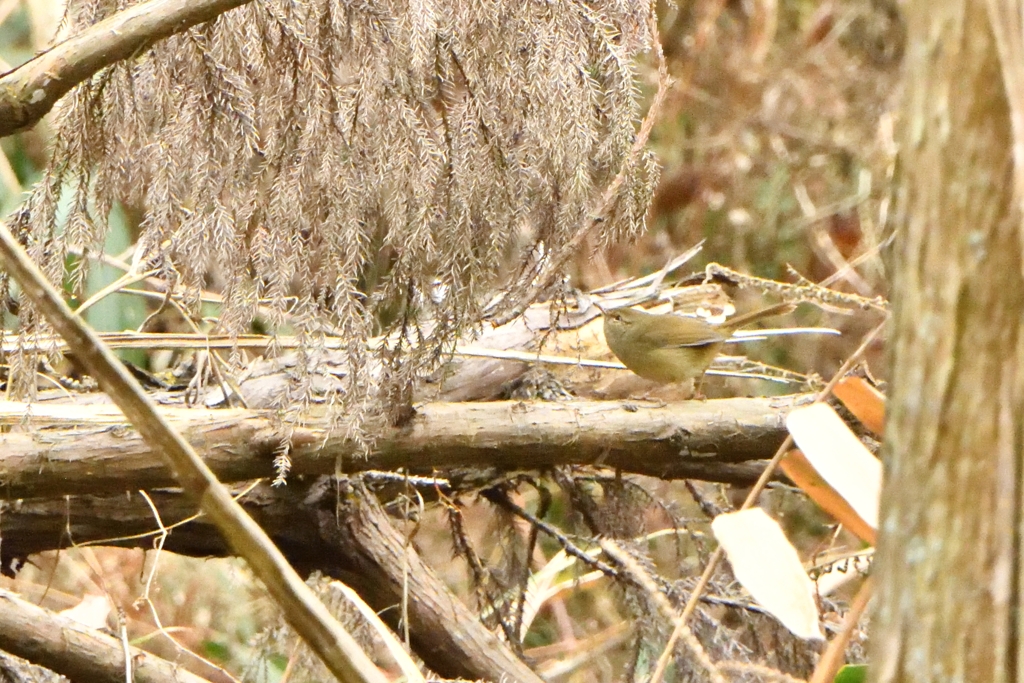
365 166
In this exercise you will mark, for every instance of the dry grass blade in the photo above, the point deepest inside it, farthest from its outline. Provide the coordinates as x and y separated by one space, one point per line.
398 653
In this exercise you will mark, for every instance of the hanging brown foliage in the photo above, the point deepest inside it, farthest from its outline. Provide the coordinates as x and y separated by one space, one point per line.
358 168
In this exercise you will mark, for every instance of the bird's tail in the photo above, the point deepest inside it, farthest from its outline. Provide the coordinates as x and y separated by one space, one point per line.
740 321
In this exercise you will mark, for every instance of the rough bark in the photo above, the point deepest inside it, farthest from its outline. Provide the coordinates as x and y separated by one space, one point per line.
76 651
949 556
91 449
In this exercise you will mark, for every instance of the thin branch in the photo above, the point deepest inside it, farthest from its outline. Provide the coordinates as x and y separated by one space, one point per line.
338 650
74 650
804 290
334 526
501 499
832 659
641 578
28 92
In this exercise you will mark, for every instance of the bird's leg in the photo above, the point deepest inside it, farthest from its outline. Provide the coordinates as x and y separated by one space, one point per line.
698 389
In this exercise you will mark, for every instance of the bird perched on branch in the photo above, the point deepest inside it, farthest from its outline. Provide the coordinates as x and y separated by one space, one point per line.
672 348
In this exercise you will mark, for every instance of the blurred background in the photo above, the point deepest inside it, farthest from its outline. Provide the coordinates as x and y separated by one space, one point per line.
777 151
776 146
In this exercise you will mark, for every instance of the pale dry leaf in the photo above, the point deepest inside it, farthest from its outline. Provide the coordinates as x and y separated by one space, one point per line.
92 611
863 400
799 469
767 565
840 458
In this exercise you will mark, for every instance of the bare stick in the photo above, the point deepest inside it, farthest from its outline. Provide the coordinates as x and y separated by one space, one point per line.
832 659
76 651
302 609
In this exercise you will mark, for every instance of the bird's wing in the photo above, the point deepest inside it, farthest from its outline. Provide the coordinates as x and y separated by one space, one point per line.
689 333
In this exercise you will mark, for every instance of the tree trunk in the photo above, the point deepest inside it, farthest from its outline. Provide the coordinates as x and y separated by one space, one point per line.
949 557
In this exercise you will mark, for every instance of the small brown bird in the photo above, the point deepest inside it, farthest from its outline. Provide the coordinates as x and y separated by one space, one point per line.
670 348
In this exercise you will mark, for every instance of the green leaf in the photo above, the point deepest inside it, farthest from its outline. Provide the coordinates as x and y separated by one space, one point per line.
852 673
216 650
